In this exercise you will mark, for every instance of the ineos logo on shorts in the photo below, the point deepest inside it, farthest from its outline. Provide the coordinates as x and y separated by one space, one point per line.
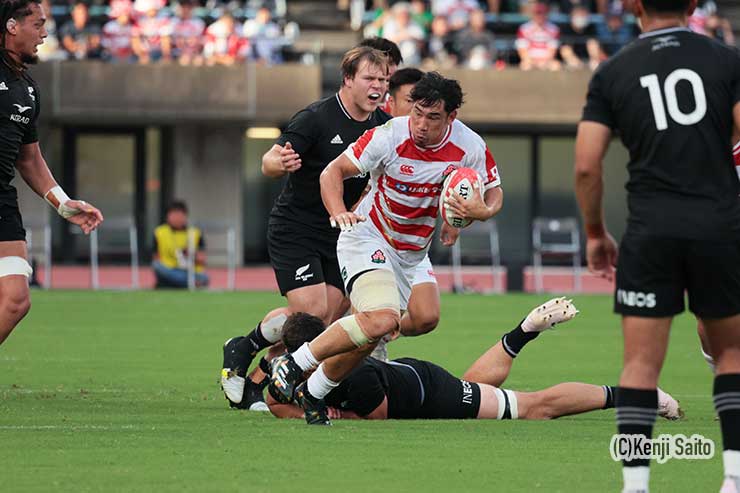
467 392
636 298
407 169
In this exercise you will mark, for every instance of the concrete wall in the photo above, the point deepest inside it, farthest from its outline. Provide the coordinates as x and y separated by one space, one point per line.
208 176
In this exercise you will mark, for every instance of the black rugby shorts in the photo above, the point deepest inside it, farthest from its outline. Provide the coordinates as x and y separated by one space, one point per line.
302 257
654 274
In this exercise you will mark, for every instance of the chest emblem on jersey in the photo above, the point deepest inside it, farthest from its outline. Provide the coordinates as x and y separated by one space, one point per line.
30 93
449 169
337 140
3 86
21 109
407 169
378 257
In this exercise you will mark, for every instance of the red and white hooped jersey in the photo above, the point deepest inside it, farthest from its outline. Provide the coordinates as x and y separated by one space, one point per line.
736 158
539 41
407 180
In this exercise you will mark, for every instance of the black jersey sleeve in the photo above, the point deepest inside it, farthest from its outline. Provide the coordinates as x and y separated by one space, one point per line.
365 391
302 131
597 107
31 134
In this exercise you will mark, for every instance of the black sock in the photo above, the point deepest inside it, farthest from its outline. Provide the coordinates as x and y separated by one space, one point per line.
609 391
514 341
248 347
636 413
727 404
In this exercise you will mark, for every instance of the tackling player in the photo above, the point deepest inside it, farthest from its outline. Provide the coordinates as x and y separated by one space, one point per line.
409 388
407 159
301 242
673 97
22 30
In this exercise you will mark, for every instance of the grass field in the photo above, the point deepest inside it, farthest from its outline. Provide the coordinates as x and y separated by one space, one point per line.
115 391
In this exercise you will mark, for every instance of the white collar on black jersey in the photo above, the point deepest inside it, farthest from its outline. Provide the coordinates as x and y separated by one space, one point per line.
664 31
344 110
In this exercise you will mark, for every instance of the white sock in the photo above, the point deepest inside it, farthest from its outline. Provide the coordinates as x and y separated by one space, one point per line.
319 384
272 330
731 459
304 358
709 360
636 478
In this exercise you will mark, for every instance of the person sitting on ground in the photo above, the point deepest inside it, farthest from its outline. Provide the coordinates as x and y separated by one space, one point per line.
178 248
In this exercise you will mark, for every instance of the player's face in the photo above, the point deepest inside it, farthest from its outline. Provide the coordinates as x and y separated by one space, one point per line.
401 104
368 86
429 123
28 34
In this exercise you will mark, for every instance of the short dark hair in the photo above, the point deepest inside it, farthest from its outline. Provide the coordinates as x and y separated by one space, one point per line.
177 205
433 88
352 59
386 46
402 77
666 6
299 328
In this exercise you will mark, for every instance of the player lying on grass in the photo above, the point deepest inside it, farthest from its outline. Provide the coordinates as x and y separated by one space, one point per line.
409 388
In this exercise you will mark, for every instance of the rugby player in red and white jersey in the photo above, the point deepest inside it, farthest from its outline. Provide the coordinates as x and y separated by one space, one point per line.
388 235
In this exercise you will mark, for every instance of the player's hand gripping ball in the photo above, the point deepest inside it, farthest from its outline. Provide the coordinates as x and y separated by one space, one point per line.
465 182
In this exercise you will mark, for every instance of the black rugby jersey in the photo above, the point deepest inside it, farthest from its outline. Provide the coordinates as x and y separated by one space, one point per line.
19 110
669 95
365 388
319 133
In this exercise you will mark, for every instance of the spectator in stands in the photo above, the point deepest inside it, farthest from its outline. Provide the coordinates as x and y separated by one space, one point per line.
421 15
614 33
401 29
50 49
579 47
537 41
456 11
117 33
265 37
80 37
440 49
719 28
151 41
187 34
174 244
224 44
591 6
476 45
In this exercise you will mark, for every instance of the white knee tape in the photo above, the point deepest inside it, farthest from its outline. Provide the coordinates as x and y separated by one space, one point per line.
376 290
272 330
508 407
354 331
15 266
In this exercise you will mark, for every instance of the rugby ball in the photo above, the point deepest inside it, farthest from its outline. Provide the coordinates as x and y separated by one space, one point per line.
462 181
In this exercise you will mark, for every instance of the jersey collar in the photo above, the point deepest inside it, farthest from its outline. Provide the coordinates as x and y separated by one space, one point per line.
344 110
667 30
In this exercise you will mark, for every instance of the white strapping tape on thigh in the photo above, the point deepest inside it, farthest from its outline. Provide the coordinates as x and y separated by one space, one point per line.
502 401
15 266
375 290
272 329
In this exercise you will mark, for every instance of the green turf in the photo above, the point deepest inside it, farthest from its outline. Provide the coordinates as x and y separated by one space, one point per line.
118 392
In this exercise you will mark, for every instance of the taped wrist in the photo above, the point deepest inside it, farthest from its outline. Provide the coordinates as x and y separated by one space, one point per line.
57 198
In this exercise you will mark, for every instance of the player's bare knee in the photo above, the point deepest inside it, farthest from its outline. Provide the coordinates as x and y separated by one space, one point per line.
378 323
426 323
16 304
